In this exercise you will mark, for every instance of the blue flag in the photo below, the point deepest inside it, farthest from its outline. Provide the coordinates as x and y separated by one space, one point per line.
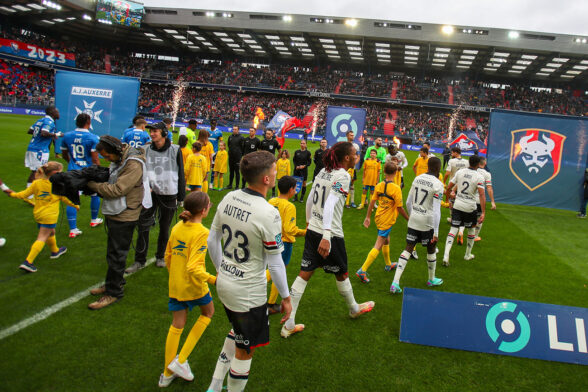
111 101
468 141
537 159
278 121
343 119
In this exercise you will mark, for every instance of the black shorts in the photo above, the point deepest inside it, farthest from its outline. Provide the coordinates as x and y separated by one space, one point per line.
478 211
336 261
413 237
460 218
251 328
301 173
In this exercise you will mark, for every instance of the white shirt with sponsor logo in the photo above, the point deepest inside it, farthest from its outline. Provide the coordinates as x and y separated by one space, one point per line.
402 161
466 196
251 227
424 190
325 183
455 164
486 175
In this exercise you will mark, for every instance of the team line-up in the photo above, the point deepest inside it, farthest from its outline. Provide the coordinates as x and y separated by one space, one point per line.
251 239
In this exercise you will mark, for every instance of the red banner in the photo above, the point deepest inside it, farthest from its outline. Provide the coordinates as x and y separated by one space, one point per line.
394 92
470 123
34 52
390 122
450 91
107 66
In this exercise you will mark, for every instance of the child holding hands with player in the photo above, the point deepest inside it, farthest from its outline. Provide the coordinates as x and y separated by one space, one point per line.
188 285
46 212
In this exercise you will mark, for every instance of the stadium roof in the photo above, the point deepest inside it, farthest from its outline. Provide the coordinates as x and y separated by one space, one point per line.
380 44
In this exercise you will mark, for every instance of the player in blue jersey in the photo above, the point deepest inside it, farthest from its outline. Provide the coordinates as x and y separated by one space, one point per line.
79 150
214 137
135 119
168 124
137 137
43 131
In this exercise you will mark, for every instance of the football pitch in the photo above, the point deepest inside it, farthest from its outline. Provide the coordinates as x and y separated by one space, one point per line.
530 254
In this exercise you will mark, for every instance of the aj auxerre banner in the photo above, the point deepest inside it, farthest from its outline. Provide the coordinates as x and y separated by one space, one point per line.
111 101
537 159
343 119
494 325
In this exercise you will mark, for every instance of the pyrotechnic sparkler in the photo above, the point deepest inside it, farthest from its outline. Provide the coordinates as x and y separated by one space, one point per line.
176 98
452 122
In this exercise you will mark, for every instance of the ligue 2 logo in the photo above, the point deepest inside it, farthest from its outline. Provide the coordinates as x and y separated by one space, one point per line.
341 124
508 327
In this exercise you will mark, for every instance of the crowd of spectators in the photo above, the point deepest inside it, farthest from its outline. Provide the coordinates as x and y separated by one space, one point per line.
27 85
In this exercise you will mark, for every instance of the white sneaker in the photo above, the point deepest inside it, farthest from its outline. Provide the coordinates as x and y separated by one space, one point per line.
2 242
165 381
445 263
285 332
181 369
469 257
415 255
74 233
96 222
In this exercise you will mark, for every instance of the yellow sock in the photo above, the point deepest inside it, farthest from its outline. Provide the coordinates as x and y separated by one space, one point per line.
370 259
193 337
363 199
268 276
171 347
52 243
347 201
273 295
215 182
221 182
205 187
36 248
386 254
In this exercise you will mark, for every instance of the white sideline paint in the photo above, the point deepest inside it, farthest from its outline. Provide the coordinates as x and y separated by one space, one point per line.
42 315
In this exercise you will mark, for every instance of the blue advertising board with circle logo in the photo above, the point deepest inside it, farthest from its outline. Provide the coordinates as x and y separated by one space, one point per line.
495 325
340 120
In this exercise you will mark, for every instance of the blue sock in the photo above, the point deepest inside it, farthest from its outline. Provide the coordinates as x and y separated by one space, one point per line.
72 217
95 206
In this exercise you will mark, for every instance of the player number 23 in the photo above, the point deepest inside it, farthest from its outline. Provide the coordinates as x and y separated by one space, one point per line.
242 244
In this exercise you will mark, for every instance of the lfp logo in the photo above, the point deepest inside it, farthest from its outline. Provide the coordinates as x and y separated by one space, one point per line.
535 156
341 124
505 311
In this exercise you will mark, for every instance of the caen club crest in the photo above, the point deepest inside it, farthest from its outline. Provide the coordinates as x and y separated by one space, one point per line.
535 156
464 143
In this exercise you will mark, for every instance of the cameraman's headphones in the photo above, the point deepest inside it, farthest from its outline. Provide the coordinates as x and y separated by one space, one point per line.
164 131
163 128
112 142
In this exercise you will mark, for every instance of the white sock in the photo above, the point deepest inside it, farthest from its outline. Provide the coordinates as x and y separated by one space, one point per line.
296 292
470 243
478 229
346 291
402 261
223 363
449 242
432 263
351 195
461 229
238 375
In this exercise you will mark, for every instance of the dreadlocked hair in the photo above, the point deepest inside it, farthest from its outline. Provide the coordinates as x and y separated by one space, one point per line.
335 155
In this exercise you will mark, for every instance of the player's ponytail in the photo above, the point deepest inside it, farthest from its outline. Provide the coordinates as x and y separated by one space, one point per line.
336 154
48 169
194 204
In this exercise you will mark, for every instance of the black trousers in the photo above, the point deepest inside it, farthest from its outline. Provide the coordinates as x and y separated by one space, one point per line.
120 236
164 208
234 172
445 160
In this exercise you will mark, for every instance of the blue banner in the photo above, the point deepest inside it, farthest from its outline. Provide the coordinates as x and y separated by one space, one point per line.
534 157
494 325
111 101
468 141
342 119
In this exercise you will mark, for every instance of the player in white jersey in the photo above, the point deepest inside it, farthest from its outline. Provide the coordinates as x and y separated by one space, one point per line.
324 246
488 185
455 163
423 204
251 233
393 152
469 188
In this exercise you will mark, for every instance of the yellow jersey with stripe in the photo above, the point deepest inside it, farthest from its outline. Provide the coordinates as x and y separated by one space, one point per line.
196 169
220 162
283 168
389 198
422 165
185 154
46 209
398 177
371 172
288 214
251 228
185 259
208 152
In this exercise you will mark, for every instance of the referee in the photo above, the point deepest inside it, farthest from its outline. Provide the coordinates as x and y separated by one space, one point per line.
250 144
236 144
302 159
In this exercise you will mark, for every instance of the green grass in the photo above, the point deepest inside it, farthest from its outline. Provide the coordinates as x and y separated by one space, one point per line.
530 254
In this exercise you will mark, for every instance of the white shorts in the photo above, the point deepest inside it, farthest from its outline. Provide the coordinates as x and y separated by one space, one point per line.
36 159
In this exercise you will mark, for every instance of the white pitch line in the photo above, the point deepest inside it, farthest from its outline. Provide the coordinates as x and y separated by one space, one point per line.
42 315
